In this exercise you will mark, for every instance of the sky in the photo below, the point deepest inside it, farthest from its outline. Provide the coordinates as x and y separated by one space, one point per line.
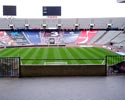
70 8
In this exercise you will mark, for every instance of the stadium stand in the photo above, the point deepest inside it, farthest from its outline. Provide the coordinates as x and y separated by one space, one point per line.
4 23
6 39
120 45
96 37
68 23
1 44
51 23
74 37
52 37
119 38
18 37
69 37
105 39
32 37
67 34
85 36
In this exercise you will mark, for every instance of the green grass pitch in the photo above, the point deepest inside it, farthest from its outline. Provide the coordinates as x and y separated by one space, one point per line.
54 53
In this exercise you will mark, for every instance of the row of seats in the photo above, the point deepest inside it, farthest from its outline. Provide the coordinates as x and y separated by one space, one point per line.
63 37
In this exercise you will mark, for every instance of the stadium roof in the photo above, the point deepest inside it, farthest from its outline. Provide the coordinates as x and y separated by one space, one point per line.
65 23
121 1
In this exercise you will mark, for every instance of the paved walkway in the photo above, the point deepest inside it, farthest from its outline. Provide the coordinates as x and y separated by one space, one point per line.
63 88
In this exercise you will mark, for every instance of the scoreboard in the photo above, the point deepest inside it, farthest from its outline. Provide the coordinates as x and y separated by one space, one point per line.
9 10
51 10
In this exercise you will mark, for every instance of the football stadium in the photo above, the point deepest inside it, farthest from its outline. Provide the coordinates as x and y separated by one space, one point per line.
58 41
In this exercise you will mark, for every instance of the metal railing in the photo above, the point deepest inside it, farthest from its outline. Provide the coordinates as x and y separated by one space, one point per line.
114 59
61 61
9 66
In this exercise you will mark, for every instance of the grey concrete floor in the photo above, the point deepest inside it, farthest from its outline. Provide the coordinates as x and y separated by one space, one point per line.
63 88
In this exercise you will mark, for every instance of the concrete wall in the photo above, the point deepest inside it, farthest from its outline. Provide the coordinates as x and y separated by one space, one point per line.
62 70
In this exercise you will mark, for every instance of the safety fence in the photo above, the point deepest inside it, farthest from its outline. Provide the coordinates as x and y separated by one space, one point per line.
61 61
115 64
9 66
14 66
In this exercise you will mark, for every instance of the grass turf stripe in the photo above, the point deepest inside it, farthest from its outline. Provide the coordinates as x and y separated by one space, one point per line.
79 55
70 55
56 52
